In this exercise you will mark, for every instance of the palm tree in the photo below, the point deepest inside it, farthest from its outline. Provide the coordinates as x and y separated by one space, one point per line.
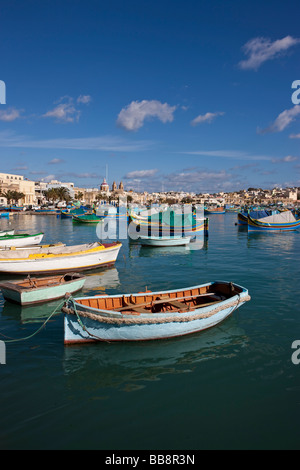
79 196
12 196
51 194
63 194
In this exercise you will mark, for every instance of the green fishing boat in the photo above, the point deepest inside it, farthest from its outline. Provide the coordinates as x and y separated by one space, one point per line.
87 218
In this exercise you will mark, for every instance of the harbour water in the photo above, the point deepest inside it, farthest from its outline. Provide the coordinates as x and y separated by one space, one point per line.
234 386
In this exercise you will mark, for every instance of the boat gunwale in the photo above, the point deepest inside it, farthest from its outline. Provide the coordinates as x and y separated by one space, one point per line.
115 314
18 236
50 256
16 287
258 223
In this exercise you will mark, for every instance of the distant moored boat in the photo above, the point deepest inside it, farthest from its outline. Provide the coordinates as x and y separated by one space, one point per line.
283 222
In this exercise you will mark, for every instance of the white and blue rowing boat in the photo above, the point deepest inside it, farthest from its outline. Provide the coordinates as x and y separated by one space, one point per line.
150 315
164 241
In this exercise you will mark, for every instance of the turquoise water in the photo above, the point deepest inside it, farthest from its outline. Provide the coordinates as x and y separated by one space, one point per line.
231 387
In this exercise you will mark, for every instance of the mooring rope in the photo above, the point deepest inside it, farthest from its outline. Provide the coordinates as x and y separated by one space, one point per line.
166 319
38 330
82 325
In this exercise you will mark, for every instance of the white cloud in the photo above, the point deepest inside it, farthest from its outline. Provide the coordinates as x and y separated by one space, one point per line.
9 114
239 155
208 117
141 174
283 120
133 116
260 49
201 180
55 161
289 158
105 143
85 99
48 178
64 112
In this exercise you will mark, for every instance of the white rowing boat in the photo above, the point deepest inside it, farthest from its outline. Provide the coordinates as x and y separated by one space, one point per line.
164 241
150 315
21 239
59 258
6 232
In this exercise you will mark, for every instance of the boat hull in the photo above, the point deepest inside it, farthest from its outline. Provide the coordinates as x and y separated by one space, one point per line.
19 241
242 219
42 294
137 229
150 327
61 263
211 212
256 226
7 232
164 241
87 219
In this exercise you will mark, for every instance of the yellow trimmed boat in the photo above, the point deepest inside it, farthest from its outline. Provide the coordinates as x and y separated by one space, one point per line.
59 259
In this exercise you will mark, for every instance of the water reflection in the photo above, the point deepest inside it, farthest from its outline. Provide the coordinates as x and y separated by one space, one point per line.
136 249
152 252
127 366
283 241
108 279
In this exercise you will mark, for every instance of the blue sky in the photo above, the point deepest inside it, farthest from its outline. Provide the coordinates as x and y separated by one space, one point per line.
169 95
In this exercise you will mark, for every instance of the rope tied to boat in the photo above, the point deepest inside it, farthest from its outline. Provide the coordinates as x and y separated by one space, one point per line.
13 340
145 321
69 297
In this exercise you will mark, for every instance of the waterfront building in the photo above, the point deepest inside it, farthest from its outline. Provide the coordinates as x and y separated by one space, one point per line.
58 184
89 195
11 182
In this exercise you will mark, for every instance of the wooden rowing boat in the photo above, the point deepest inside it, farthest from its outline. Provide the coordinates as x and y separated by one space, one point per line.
21 239
150 315
164 241
59 259
34 290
